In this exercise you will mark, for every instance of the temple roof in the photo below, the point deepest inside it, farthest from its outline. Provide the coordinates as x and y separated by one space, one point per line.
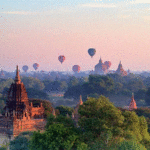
80 101
132 103
120 70
17 96
17 78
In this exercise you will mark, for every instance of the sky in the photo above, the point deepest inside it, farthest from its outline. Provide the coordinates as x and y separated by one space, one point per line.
38 31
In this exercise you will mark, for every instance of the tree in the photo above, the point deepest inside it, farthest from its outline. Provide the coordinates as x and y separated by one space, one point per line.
131 145
147 99
140 94
99 116
135 84
100 84
118 87
135 127
73 81
34 83
74 91
21 142
5 84
64 110
34 93
60 134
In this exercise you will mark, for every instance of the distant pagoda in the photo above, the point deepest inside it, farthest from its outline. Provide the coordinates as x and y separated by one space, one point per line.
120 70
75 114
132 105
100 68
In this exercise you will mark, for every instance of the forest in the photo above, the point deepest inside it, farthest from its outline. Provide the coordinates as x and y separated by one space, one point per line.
102 123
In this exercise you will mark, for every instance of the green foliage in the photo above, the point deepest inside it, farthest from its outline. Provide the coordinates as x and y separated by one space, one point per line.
5 83
135 127
3 148
67 122
82 146
64 110
56 137
135 84
99 116
131 145
117 87
73 91
34 93
21 142
140 94
33 83
100 84
147 99
73 81
2 105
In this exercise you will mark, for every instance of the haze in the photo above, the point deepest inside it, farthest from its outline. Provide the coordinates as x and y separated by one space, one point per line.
41 30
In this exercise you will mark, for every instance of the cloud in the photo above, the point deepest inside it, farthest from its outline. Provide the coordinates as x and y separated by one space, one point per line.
96 5
141 1
19 12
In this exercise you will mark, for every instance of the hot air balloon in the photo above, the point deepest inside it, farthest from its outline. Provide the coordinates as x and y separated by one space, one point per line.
108 64
91 52
76 68
25 68
35 66
61 58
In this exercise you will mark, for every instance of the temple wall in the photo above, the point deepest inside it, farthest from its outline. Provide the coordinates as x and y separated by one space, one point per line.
28 125
37 111
15 127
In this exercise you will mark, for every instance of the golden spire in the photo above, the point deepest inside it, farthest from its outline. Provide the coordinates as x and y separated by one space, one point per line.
80 102
132 103
17 78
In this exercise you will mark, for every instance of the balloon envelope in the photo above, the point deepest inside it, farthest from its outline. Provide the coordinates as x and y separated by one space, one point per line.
107 63
25 68
61 58
91 52
76 68
35 66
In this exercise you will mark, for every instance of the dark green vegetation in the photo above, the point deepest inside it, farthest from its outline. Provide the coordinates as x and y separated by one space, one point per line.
101 126
113 86
119 89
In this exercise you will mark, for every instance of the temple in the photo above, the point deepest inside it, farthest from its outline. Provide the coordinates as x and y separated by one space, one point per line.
100 68
75 114
132 105
20 114
120 70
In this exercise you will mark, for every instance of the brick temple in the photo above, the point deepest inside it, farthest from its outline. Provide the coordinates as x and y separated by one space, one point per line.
20 114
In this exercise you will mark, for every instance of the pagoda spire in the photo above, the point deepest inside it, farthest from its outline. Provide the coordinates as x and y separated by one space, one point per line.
80 101
132 103
100 61
17 78
120 65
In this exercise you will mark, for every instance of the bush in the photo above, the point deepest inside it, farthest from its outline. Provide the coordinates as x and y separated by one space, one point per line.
131 145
